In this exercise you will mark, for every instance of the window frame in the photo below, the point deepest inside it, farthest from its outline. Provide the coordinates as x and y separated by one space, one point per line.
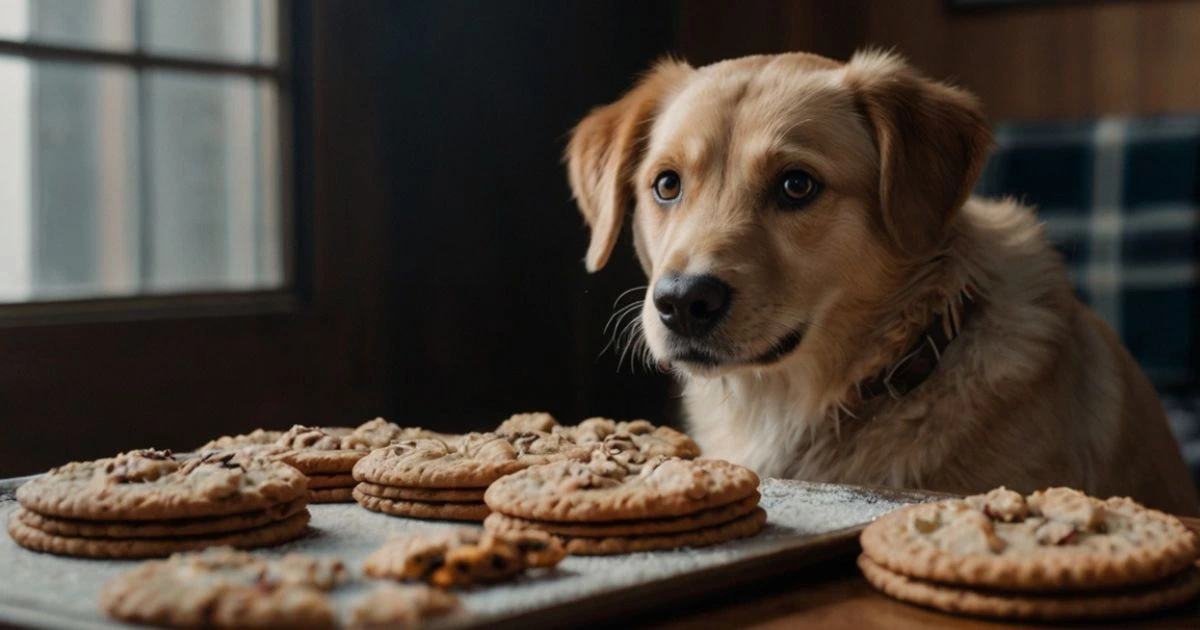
287 76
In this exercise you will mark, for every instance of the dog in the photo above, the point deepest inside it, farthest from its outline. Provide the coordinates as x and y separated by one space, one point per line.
838 307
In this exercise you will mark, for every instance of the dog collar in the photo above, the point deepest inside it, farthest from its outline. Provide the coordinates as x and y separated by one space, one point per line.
921 358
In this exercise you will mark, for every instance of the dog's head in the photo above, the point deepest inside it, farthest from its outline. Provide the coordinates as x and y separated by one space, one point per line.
774 198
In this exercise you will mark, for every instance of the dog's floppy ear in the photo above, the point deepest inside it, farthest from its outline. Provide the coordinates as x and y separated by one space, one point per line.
932 139
603 155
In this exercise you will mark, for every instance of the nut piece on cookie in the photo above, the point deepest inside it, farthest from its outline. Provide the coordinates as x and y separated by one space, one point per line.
1069 506
969 532
1055 533
138 466
925 519
393 606
1000 504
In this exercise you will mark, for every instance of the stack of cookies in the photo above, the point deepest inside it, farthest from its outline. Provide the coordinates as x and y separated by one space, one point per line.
612 505
147 503
1054 555
326 455
649 440
445 479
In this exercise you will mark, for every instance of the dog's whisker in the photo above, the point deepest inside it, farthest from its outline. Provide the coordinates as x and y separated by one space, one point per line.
621 312
618 325
625 337
627 292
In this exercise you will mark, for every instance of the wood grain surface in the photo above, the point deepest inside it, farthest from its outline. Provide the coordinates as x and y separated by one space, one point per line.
835 596
1036 61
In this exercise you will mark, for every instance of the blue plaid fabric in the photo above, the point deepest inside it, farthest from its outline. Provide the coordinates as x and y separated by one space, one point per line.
1120 198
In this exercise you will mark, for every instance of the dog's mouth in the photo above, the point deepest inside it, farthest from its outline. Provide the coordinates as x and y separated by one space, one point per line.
704 356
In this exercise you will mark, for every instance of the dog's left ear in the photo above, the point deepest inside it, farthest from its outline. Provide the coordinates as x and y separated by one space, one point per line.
932 140
603 154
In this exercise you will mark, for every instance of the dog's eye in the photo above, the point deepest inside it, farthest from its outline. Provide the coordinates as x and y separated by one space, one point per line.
667 187
797 188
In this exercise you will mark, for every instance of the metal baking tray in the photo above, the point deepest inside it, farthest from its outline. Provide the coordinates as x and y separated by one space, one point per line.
807 523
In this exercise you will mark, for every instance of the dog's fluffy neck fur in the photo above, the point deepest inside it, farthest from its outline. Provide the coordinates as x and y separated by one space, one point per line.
799 419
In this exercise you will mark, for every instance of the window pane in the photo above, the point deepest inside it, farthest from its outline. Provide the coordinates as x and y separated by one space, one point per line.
68 184
106 24
231 30
214 223
109 187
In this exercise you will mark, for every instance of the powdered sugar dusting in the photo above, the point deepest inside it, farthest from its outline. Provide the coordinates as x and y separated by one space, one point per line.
51 591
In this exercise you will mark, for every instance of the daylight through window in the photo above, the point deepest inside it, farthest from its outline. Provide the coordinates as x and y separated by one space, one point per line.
139 148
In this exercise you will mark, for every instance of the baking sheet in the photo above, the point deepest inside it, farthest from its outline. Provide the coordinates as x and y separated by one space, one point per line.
806 523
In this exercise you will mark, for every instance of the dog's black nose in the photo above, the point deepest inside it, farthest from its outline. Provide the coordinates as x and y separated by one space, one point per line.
691 305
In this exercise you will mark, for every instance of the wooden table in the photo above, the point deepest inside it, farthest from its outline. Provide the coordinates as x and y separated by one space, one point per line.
835 596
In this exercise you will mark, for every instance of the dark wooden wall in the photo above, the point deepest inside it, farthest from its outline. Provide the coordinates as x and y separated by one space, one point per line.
1063 60
462 110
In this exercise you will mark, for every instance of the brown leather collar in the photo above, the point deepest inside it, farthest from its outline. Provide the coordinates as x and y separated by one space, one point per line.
921 358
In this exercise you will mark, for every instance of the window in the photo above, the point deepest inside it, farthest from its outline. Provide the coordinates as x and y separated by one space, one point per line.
140 148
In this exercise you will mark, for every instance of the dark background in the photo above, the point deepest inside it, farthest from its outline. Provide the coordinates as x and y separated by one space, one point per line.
439 273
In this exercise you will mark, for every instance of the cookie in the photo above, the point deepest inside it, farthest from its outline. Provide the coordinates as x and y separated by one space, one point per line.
444 495
271 534
650 441
378 433
1056 539
462 556
539 549
416 555
256 438
473 461
315 451
158 529
540 422
319 482
742 527
152 485
331 495
223 588
395 606
422 509
691 522
604 489
466 565
1068 606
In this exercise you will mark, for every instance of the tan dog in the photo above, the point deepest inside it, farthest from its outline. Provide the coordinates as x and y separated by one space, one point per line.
806 229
